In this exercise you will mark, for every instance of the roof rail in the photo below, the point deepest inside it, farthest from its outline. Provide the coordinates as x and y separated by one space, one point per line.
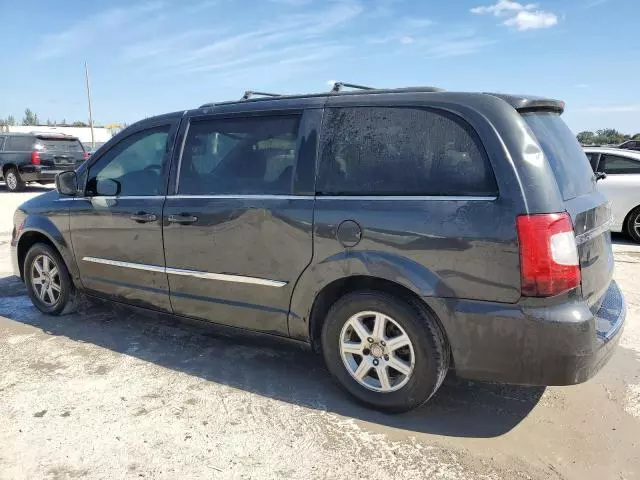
338 86
250 93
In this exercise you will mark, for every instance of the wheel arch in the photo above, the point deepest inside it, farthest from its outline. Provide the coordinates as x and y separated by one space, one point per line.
6 167
43 231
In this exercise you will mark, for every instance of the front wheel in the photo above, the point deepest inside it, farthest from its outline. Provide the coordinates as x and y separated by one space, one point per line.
389 354
633 225
48 281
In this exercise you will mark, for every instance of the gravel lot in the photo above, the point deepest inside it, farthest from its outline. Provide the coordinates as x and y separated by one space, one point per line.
108 393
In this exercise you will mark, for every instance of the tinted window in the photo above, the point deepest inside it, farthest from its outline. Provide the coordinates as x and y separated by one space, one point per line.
20 144
564 154
1 142
401 151
613 164
60 146
242 156
136 165
593 160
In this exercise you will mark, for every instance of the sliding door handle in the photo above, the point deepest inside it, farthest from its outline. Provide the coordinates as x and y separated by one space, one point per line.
143 217
182 219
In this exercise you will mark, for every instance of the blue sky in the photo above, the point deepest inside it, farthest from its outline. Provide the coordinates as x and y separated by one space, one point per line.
153 56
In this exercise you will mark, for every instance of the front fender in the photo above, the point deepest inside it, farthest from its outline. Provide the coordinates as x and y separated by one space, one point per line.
56 229
382 265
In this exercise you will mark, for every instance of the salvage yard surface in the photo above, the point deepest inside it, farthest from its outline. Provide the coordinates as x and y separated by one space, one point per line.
108 393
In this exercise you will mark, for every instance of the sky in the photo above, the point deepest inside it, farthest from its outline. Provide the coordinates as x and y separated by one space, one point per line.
148 57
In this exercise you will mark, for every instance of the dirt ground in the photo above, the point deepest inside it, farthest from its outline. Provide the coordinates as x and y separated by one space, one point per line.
107 393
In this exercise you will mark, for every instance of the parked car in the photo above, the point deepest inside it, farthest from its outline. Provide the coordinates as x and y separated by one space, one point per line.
37 157
620 184
400 233
630 145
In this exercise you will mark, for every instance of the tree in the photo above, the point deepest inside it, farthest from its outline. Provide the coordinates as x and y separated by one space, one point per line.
49 123
30 118
586 137
11 121
79 124
636 136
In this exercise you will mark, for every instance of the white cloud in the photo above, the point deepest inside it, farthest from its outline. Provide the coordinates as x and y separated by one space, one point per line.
520 16
406 40
525 20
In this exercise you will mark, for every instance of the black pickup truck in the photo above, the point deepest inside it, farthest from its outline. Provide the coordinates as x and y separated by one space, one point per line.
37 157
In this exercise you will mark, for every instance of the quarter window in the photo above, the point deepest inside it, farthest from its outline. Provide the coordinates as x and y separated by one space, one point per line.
135 166
613 164
241 156
401 151
20 144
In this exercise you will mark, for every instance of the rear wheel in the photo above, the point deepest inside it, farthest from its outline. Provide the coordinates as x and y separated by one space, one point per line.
633 224
389 354
48 281
13 180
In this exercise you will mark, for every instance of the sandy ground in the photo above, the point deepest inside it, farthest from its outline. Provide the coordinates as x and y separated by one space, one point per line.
108 393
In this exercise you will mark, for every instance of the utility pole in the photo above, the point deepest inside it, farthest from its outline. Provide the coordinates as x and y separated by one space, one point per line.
86 74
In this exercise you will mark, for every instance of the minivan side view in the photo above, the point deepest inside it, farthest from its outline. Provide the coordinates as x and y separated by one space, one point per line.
37 157
400 233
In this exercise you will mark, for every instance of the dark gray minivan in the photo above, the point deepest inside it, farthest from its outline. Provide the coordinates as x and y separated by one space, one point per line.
401 233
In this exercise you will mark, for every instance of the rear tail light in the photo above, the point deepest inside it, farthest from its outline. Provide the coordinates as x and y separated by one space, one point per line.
549 263
85 155
35 157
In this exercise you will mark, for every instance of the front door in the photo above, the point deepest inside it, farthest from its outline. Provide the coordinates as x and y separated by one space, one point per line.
236 238
116 228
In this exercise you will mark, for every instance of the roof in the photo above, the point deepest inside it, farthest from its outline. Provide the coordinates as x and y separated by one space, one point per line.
519 102
617 151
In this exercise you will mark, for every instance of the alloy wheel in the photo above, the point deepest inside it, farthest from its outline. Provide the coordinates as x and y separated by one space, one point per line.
12 181
45 279
377 351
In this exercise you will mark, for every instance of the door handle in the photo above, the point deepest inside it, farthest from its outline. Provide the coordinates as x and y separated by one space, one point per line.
182 219
143 217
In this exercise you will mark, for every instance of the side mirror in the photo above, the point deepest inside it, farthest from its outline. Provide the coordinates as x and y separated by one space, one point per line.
67 183
107 188
600 176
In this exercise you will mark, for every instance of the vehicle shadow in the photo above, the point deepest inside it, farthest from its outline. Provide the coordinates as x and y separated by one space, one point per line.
286 373
29 188
623 239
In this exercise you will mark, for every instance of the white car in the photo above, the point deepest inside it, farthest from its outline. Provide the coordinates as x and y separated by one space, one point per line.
621 185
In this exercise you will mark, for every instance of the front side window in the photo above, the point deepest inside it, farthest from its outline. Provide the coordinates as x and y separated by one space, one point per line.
135 166
614 164
240 156
401 151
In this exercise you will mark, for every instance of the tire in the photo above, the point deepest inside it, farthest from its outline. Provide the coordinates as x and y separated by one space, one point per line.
12 180
633 225
428 348
65 300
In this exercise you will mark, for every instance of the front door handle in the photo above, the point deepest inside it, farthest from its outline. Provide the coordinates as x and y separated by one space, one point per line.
183 219
143 217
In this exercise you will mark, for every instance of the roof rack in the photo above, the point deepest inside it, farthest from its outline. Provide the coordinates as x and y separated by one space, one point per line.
338 86
250 93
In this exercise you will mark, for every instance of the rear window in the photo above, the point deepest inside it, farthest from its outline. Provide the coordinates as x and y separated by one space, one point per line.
567 159
60 145
401 151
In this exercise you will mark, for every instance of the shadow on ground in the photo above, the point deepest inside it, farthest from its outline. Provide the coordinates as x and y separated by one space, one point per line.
459 409
29 188
622 239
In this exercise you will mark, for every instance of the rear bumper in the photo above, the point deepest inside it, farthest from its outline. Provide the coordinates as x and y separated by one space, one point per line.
559 345
31 173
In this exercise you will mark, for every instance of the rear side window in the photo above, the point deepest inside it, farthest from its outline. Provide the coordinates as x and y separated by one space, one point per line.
568 161
20 144
240 156
60 145
401 151
614 164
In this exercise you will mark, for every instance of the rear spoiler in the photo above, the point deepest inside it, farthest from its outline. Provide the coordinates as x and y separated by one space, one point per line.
525 103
